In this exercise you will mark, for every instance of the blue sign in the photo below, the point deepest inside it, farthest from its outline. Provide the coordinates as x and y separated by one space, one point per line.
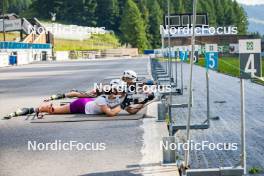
149 52
184 55
20 45
211 60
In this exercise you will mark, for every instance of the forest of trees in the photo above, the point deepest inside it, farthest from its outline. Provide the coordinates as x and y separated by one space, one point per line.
135 21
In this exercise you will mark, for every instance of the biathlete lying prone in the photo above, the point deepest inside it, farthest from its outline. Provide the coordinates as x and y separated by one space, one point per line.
129 77
109 103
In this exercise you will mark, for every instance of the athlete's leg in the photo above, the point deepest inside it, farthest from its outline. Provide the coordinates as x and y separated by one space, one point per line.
65 109
49 108
20 112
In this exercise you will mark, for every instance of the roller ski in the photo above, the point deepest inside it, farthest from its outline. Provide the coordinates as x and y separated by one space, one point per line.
31 112
55 97
20 112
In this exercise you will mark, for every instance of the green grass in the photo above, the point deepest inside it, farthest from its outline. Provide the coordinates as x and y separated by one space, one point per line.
255 170
10 36
165 59
226 65
96 42
230 66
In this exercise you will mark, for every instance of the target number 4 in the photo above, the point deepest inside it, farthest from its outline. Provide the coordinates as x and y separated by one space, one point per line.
250 66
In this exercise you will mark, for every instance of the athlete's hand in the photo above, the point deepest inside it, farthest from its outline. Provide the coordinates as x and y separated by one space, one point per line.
46 99
125 103
149 98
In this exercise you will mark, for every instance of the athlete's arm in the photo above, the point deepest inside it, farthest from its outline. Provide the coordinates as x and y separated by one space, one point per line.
110 112
90 94
134 109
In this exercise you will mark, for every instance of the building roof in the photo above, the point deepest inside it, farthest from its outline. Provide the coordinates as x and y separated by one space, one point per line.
10 16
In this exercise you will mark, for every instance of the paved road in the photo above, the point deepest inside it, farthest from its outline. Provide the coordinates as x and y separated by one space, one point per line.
28 85
224 89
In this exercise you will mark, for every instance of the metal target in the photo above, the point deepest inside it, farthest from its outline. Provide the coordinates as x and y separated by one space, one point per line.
250 58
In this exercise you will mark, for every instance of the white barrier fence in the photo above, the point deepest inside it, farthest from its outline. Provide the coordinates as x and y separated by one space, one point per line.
23 57
62 55
4 59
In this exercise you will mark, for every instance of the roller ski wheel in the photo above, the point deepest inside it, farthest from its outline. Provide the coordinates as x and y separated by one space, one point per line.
20 112
9 116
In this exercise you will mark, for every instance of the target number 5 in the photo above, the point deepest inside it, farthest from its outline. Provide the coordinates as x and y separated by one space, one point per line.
250 66
211 60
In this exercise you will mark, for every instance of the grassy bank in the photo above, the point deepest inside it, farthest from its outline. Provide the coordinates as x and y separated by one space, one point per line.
96 42
226 65
10 36
230 66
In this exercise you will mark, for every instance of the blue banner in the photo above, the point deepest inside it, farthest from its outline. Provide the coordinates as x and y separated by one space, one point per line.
20 45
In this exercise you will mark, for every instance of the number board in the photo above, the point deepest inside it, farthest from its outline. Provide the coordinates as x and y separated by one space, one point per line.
176 52
184 55
211 56
250 58
171 53
196 57
196 52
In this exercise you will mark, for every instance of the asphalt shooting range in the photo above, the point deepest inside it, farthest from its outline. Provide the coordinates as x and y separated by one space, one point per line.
168 71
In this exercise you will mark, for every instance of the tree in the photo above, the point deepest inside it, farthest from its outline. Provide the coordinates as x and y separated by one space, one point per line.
208 6
42 8
241 21
142 5
155 20
107 13
179 6
132 26
230 16
188 6
14 6
17 6
142 17
219 10
80 12
88 15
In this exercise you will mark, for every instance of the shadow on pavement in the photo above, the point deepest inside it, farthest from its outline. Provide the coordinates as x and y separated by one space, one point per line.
115 173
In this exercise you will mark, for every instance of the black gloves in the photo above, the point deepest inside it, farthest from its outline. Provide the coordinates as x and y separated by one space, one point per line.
149 98
125 103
